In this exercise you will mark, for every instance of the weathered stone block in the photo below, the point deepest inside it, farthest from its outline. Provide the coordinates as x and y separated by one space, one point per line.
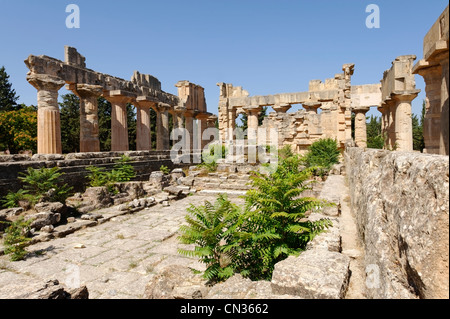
315 274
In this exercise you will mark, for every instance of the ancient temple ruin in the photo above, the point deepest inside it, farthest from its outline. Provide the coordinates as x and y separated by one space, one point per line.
327 107
336 99
48 75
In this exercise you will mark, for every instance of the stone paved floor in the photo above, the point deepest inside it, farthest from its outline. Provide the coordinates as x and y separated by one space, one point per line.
119 258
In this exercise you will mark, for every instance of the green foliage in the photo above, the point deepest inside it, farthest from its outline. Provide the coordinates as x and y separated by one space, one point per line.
122 172
374 136
12 199
70 121
209 157
272 226
208 227
18 129
38 183
417 124
15 239
164 169
323 153
8 98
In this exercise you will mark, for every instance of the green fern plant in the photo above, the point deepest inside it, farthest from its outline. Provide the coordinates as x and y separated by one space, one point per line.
275 224
15 239
164 169
12 199
38 182
210 227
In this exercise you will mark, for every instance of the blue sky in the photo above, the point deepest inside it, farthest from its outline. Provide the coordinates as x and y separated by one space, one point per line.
267 47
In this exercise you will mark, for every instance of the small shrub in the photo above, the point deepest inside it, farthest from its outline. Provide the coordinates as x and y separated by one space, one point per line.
208 227
39 182
15 239
323 153
164 169
13 199
122 172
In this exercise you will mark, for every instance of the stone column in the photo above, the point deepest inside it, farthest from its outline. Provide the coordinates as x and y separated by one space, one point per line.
162 127
143 125
189 127
202 126
444 136
432 122
403 121
89 129
119 124
178 119
360 126
231 124
48 116
252 122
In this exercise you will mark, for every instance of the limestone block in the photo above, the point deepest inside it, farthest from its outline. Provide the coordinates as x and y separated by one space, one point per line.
315 274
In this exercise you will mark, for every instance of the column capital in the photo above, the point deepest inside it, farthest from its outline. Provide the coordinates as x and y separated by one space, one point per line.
281 108
85 90
145 102
45 82
119 96
361 110
405 96
252 109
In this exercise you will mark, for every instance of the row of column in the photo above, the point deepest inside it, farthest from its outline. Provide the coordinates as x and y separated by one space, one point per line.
396 122
49 125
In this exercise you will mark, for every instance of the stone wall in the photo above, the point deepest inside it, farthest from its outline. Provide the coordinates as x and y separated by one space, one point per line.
74 166
401 204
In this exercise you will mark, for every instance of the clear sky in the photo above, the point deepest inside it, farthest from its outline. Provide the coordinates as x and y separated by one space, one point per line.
267 47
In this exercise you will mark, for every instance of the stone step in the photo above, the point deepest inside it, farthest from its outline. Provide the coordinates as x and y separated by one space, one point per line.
221 191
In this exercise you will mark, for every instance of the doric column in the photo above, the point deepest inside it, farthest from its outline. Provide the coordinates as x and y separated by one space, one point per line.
252 122
189 130
48 116
143 126
403 121
360 126
432 121
89 129
162 127
119 124
444 136
231 124
202 126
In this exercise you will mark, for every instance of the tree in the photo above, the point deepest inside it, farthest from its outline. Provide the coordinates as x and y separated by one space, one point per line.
18 129
418 139
70 123
8 98
104 124
261 117
374 134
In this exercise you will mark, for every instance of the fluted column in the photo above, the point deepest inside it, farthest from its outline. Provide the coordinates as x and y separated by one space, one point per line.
162 127
89 129
403 121
189 127
231 124
143 125
432 121
119 124
48 116
202 119
445 85
360 126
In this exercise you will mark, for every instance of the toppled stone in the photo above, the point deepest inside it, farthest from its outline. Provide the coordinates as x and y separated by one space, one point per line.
52 207
52 289
48 229
173 190
11 212
91 216
176 282
315 274
43 219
